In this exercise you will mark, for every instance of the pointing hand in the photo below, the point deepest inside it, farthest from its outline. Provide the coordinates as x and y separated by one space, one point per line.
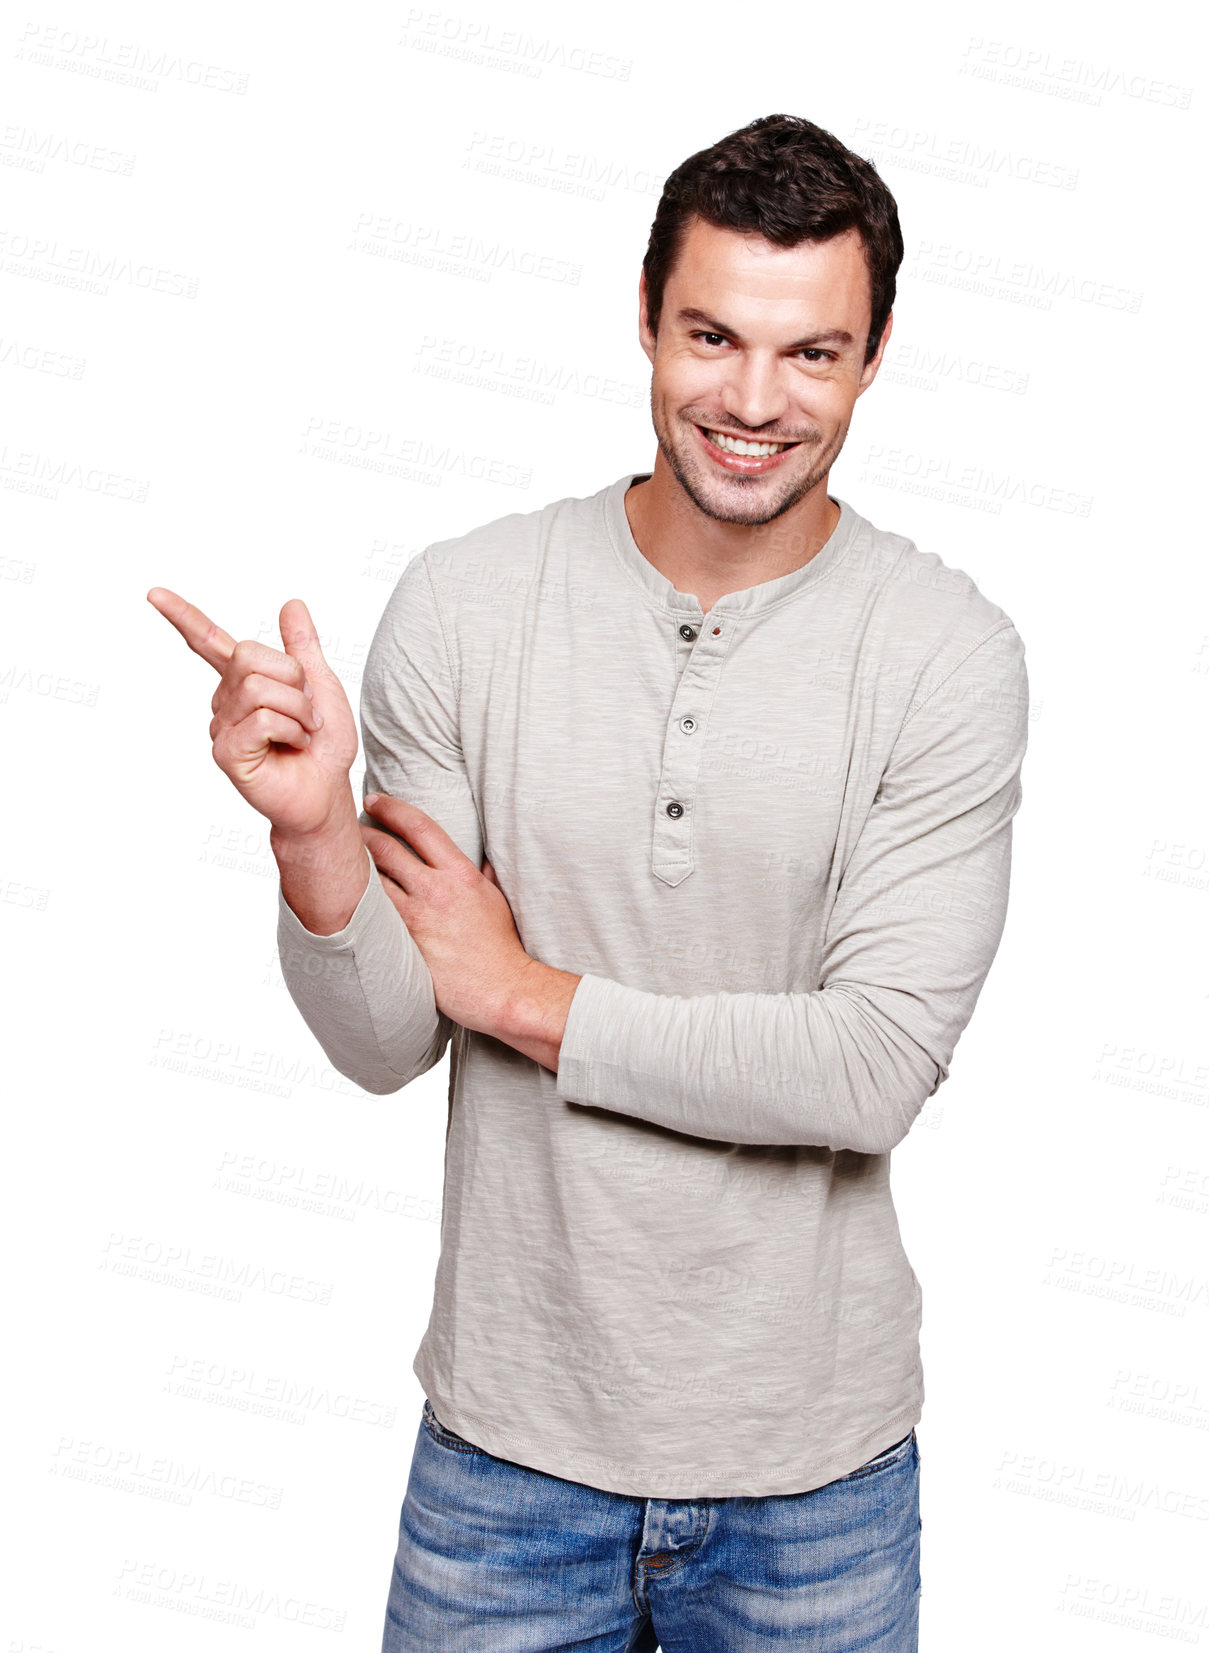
283 730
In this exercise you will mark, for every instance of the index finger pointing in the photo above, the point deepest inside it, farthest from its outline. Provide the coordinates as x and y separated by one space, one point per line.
205 638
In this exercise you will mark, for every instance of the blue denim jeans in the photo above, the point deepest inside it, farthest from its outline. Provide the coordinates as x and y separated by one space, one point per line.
497 1558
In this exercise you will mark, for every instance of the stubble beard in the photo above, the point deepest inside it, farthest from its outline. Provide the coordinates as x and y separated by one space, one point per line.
689 475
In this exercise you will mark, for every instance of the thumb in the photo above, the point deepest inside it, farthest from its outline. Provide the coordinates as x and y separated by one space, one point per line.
300 639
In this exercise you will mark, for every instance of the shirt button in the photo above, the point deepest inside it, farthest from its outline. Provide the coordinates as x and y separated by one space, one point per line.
675 811
688 633
688 724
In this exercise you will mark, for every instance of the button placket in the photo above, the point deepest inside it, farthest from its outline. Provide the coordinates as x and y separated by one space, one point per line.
672 838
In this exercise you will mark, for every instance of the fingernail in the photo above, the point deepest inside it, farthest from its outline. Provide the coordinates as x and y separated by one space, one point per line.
306 689
319 720
371 799
308 738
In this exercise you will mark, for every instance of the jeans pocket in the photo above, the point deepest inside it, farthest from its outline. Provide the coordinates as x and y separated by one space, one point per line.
884 1460
446 1437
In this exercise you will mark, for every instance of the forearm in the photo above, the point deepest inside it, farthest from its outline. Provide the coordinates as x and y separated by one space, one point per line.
533 1017
362 987
324 874
827 1068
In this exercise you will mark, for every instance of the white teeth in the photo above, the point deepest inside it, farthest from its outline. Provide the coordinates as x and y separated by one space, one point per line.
751 450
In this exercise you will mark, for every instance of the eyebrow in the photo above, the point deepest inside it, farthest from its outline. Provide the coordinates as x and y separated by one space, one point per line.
833 335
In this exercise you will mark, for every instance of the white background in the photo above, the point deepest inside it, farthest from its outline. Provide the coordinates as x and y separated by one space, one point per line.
234 245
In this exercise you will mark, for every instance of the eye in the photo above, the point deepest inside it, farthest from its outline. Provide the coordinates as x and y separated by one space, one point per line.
710 338
814 354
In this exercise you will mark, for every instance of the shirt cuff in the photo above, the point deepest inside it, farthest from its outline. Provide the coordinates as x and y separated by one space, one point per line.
372 914
600 1022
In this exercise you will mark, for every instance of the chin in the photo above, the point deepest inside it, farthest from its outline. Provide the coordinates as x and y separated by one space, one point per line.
748 501
746 504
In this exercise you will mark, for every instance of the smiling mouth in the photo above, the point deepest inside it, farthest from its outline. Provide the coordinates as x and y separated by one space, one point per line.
745 449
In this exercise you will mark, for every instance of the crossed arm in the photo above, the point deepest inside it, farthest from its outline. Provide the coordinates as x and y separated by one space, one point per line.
461 921
913 931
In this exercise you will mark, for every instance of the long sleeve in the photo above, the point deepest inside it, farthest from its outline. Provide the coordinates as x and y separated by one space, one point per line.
366 992
917 919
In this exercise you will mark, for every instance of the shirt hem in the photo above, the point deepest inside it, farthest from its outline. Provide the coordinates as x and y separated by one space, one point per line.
639 1481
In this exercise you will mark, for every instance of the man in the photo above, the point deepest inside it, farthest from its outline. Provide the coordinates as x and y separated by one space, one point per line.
745 767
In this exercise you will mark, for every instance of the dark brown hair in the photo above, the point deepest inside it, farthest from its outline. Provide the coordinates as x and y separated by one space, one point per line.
790 181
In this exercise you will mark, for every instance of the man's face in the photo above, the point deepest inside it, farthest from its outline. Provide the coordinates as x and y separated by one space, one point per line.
758 344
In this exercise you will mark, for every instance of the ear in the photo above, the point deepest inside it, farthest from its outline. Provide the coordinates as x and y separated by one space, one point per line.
869 371
645 337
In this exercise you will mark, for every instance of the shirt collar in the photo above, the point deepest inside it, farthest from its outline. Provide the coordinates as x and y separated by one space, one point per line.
753 599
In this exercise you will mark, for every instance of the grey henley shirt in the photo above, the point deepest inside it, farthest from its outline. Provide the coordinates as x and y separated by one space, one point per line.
775 841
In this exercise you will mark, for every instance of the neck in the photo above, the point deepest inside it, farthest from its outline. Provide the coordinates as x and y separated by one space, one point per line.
707 558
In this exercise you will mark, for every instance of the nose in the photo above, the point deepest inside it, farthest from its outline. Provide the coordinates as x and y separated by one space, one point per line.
754 393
